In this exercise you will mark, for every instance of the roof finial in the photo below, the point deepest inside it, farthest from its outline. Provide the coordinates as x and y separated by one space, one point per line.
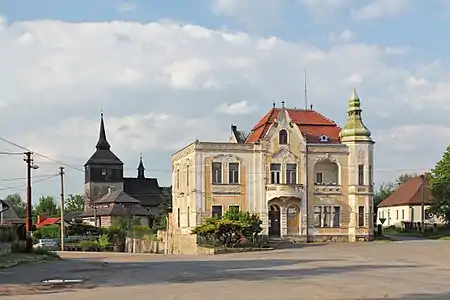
355 130
306 92
274 104
282 104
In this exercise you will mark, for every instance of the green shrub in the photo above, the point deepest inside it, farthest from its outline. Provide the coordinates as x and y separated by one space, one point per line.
103 242
47 232
89 246
235 228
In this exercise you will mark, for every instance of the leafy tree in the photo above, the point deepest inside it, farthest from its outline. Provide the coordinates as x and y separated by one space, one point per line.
165 208
74 203
18 204
405 177
384 191
46 206
440 187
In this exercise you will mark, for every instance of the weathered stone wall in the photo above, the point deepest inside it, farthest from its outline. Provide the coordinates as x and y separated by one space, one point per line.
133 245
5 248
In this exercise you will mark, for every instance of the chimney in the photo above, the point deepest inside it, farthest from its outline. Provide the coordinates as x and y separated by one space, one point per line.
41 218
110 189
233 128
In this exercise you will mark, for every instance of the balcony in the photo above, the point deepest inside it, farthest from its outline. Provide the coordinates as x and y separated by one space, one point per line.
364 189
284 190
327 189
226 189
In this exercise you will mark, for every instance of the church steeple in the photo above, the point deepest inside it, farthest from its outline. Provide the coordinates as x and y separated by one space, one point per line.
355 130
141 169
102 143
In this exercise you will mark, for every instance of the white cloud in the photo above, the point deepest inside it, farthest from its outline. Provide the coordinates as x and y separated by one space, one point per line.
236 108
163 85
344 37
381 8
125 7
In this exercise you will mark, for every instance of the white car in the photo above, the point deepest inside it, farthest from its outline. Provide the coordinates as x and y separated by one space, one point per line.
46 244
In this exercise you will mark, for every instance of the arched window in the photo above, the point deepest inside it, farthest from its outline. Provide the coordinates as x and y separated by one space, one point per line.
283 137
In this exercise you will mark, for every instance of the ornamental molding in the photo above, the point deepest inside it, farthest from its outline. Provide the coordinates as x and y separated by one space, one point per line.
226 189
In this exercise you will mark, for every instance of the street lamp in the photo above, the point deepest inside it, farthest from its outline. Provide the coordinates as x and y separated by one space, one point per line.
422 202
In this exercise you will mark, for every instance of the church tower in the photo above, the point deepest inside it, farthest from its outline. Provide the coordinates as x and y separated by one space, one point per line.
104 170
360 171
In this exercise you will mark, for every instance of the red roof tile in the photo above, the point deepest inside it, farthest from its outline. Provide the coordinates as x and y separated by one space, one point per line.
409 193
48 221
311 124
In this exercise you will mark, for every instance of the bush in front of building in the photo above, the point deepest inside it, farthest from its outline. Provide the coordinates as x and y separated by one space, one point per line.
234 229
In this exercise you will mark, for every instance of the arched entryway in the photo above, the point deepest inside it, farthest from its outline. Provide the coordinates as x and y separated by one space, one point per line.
274 221
293 219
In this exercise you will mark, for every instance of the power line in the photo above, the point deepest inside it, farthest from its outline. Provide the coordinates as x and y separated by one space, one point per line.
36 181
23 178
39 154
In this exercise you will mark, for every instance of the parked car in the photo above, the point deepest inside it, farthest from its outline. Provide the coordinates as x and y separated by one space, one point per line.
48 244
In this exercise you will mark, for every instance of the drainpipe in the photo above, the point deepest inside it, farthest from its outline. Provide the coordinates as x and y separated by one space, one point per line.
307 194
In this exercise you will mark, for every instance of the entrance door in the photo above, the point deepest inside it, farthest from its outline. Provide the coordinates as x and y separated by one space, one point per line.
292 220
274 221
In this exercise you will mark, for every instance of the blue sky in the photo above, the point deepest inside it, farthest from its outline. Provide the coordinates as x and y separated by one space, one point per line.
206 64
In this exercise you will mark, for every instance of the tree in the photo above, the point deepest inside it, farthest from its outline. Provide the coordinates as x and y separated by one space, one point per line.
46 206
440 187
165 207
405 177
18 204
384 191
74 203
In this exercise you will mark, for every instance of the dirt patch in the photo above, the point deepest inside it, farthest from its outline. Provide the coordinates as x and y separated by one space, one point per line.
41 288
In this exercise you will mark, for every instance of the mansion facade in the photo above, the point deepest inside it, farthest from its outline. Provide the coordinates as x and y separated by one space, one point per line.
306 178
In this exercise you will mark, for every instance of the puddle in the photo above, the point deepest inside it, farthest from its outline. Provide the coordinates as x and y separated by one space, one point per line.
63 281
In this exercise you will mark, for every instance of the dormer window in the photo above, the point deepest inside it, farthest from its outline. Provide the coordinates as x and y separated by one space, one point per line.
324 138
282 137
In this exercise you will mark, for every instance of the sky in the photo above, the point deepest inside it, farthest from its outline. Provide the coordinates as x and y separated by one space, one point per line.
168 72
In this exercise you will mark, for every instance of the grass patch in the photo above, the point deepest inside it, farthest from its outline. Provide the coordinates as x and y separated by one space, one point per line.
443 234
15 259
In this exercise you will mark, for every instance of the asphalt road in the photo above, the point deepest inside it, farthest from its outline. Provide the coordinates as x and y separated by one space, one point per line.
413 270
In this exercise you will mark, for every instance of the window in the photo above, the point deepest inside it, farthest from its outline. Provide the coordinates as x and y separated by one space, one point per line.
397 214
178 217
317 216
187 175
319 178
188 217
216 172
275 171
291 173
107 174
216 211
233 208
233 173
283 137
370 175
403 214
361 221
327 216
360 174
178 179
337 216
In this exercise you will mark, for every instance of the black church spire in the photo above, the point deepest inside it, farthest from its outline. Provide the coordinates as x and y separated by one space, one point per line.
141 169
102 143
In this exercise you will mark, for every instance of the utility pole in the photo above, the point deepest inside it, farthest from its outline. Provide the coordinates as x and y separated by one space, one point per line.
29 222
61 174
422 200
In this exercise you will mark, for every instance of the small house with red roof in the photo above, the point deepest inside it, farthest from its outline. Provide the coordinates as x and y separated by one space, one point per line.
405 204
306 177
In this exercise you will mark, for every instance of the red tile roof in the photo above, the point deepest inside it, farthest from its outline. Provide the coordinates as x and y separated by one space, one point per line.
48 221
409 193
311 124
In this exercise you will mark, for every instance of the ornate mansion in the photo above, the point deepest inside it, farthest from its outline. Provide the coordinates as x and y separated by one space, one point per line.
307 178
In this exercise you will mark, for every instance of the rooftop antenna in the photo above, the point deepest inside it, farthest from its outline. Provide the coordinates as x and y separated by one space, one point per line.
306 92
